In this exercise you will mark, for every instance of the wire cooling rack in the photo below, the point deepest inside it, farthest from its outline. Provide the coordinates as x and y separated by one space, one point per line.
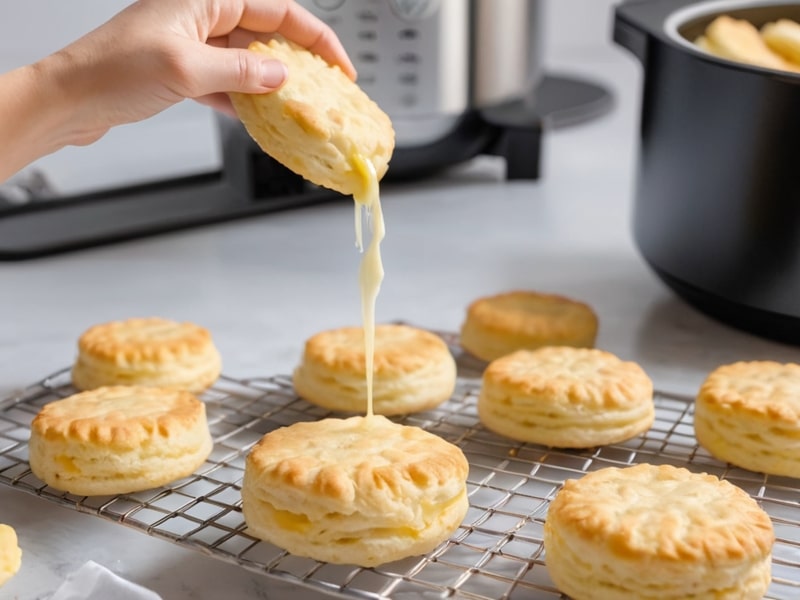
497 551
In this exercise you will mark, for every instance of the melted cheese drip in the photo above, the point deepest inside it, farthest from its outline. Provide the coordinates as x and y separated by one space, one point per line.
370 274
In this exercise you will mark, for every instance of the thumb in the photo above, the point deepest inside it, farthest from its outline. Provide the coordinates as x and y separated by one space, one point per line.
234 70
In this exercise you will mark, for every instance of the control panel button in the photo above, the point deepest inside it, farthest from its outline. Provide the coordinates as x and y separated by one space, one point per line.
367 57
329 4
414 10
367 16
408 34
408 58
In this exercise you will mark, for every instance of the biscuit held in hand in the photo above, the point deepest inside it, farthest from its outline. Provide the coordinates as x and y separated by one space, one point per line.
318 121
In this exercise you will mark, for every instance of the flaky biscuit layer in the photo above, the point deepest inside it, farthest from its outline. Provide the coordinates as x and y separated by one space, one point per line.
748 414
114 440
498 325
413 370
317 121
146 351
361 490
566 397
657 532
10 553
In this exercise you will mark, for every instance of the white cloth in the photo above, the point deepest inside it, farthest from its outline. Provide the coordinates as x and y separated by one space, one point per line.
95 582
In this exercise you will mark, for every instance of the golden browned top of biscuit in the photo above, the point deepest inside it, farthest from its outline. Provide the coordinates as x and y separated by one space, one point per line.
346 461
760 388
317 121
663 512
151 339
531 313
120 416
399 349
572 375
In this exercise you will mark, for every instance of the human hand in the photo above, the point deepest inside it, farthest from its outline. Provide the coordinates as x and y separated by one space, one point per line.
155 53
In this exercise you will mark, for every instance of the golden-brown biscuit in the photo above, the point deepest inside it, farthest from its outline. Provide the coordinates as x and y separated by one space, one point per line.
146 351
657 533
748 414
10 553
566 397
739 40
114 440
318 121
362 490
413 370
498 325
783 38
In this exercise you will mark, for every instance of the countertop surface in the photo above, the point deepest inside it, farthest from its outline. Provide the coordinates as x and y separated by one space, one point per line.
263 285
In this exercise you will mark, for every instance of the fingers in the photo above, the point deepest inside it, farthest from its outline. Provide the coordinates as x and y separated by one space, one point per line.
207 70
297 24
220 102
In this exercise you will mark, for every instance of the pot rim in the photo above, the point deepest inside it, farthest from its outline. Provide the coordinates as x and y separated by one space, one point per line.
683 15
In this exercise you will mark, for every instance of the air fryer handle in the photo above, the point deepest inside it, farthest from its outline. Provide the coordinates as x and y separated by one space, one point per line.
630 36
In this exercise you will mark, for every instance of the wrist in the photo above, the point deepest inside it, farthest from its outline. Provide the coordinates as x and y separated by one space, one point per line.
37 115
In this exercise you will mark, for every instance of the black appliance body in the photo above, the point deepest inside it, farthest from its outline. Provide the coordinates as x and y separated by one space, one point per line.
717 201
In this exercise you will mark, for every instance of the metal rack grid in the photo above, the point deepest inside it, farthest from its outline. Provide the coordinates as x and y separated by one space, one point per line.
496 553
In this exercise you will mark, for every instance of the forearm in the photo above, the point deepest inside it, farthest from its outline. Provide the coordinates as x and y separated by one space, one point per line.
34 116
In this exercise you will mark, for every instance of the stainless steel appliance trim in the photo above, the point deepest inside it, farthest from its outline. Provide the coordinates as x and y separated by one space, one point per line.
506 50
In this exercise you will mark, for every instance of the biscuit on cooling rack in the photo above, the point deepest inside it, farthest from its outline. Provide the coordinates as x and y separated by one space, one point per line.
566 397
748 414
146 351
317 121
114 440
10 553
498 325
361 491
657 533
739 40
413 370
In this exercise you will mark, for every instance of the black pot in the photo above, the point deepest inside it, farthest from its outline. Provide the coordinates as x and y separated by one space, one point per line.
717 208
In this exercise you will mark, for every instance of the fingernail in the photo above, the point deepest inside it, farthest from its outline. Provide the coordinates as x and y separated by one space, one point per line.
273 73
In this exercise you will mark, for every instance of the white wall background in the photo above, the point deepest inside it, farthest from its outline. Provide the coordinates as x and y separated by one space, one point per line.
34 28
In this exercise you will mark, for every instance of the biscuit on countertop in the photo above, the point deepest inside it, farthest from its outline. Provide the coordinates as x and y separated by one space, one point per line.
10 553
498 325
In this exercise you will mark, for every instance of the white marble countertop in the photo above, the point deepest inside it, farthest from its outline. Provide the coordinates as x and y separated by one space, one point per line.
263 285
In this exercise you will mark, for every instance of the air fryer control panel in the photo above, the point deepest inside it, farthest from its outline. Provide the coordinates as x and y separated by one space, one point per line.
412 58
